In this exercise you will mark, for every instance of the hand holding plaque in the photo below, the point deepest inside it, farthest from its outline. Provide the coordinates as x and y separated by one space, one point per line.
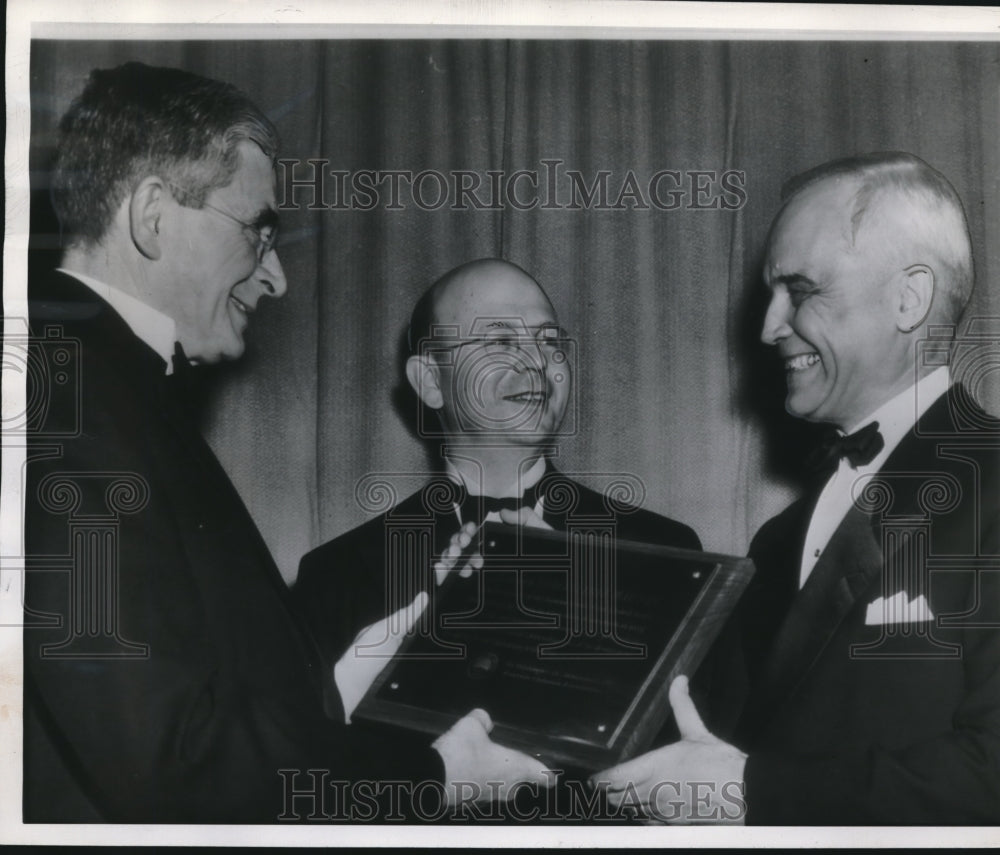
476 768
568 639
698 779
353 674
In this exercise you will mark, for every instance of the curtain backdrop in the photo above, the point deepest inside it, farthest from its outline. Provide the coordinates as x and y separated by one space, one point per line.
665 305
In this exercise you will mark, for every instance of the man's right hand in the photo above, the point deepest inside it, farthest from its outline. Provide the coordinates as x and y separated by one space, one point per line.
477 769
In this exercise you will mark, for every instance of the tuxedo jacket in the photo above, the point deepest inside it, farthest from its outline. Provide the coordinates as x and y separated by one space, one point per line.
167 678
854 716
353 581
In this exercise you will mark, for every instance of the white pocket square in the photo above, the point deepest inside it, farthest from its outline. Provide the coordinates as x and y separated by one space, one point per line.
898 609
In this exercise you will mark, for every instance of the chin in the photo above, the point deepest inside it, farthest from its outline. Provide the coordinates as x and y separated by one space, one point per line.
232 352
536 433
807 415
795 411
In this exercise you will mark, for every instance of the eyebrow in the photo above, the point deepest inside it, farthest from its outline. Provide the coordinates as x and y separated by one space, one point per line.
787 279
545 325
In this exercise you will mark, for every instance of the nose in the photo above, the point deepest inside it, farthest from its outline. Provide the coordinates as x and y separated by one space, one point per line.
533 355
776 320
270 275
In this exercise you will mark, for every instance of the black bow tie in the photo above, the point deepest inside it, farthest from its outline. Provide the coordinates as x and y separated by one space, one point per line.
184 383
475 508
860 448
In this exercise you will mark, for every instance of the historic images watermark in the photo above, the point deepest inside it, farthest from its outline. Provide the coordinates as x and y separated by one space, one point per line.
314 185
311 795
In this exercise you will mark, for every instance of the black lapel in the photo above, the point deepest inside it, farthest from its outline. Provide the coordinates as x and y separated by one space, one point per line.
846 569
62 301
776 551
397 536
851 562
565 498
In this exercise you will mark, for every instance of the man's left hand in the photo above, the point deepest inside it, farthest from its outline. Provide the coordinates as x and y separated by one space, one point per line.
371 651
696 780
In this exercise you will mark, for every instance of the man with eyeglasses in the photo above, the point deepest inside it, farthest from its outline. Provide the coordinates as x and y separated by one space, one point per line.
167 677
490 361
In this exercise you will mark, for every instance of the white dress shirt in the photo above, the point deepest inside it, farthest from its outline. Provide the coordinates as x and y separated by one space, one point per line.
156 329
473 485
895 419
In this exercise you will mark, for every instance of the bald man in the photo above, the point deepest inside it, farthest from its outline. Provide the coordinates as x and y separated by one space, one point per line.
489 358
871 630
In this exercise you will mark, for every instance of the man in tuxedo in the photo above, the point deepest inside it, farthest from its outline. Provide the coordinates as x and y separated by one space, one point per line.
488 357
166 676
871 631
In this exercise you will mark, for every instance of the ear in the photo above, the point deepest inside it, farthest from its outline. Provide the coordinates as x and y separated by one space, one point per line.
915 295
145 212
424 375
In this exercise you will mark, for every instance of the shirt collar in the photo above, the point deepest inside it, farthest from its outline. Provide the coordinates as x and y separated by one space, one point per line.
898 415
462 471
154 328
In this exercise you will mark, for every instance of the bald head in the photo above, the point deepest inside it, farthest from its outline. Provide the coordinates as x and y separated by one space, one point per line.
488 354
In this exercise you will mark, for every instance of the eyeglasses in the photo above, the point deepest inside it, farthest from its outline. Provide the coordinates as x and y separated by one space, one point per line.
264 230
549 339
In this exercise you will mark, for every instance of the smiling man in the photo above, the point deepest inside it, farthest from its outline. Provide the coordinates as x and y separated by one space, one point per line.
490 360
871 631
167 677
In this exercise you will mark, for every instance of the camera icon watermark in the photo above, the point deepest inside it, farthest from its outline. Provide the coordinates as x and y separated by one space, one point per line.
50 364
71 575
973 356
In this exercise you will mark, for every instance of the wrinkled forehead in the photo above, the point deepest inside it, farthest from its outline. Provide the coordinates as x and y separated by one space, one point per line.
817 217
499 298
252 188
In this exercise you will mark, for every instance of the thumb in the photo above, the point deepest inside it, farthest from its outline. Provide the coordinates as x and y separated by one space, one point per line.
415 609
482 718
688 721
402 621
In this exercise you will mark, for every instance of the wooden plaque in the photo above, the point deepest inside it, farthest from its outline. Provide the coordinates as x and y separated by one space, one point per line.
570 641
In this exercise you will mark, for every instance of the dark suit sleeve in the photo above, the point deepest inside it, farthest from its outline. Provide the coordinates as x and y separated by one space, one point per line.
950 778
337 596
199 727
325 611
